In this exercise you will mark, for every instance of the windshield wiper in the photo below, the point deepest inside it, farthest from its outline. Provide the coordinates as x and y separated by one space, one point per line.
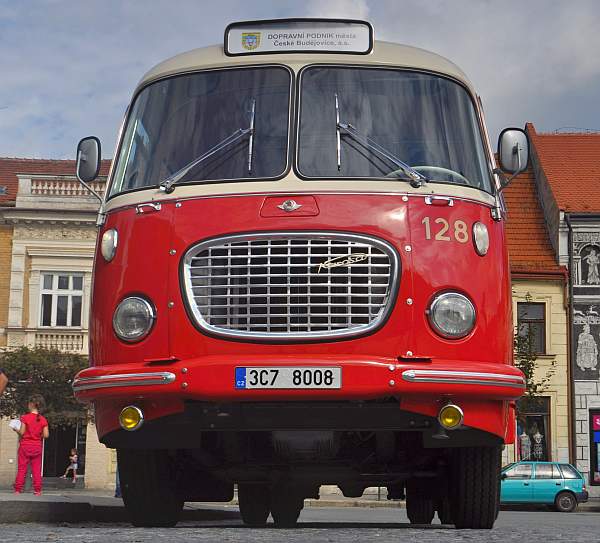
167 185
416 179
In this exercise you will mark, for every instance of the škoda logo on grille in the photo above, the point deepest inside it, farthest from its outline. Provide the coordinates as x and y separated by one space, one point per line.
342 260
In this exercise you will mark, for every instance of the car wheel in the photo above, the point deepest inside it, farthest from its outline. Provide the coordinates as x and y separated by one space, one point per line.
254 501
148 486
474 487
565 502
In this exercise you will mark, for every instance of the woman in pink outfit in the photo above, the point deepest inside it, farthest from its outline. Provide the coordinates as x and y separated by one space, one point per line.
33 430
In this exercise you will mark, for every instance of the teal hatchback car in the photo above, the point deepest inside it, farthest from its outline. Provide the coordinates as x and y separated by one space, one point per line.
551 483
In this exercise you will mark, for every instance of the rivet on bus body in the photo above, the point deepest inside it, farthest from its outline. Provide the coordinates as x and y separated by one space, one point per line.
409 353
184 370
409 301
405 198
408 248
172 252
170 304
184 385
392 382
391 367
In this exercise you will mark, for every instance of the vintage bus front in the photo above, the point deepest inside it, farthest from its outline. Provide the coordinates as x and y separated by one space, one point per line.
301 279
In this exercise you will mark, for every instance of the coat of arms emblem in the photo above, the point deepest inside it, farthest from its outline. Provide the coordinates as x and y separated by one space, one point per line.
250 40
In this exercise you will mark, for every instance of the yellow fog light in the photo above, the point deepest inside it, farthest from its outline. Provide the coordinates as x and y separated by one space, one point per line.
450 416
131 418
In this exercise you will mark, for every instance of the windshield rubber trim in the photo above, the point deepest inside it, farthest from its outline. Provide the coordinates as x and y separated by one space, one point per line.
291 117
296 149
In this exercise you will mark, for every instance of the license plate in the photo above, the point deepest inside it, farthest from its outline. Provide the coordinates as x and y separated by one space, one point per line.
288 377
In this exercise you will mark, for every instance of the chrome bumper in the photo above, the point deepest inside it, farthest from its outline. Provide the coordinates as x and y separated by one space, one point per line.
123 380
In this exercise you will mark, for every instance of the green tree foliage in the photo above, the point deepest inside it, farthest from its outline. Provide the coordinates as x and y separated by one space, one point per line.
48 372
536 383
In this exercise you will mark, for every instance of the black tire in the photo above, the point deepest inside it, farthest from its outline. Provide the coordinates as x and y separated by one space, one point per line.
475 487
148 486
444 512
565 502
419 509
285 510
254 502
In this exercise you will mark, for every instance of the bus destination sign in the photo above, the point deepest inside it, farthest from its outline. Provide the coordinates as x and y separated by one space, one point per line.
299 36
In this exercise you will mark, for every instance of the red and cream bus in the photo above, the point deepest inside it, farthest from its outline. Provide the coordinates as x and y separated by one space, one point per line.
301 279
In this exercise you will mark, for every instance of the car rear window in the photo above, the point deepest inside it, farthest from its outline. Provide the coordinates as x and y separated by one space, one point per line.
569 472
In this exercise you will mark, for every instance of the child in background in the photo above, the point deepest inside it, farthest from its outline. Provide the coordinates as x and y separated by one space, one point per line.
33 430
73 464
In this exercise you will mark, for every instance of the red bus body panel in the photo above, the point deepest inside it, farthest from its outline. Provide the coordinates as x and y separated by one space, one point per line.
148 262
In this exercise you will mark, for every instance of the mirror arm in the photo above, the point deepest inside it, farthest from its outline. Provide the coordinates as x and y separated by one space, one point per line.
504 181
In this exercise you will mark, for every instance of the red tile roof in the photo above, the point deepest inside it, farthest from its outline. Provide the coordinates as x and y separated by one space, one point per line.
529 247
571 163
10 167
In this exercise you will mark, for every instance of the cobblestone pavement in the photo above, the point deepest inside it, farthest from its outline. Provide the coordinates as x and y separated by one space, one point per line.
329 525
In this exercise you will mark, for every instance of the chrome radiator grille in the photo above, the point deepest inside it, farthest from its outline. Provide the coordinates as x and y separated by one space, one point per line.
292 285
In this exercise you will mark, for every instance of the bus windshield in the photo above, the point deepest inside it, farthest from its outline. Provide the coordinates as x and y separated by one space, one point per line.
205 126
375 122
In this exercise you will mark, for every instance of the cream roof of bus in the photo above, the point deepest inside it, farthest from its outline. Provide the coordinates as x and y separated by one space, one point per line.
384 53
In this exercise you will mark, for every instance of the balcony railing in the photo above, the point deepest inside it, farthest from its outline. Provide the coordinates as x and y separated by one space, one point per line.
64 188
74 342
57 191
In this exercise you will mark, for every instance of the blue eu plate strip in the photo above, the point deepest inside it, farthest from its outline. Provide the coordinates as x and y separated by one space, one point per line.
240 377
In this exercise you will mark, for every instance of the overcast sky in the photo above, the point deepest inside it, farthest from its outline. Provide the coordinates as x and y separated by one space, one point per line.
67 69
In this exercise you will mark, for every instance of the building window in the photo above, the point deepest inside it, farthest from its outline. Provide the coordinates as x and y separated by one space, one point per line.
533 429
62 295
595 447
531 322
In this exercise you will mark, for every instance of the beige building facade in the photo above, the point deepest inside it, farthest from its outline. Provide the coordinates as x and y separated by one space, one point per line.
550 418
540 308
47 241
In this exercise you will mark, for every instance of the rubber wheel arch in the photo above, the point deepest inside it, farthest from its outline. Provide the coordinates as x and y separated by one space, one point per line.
149 488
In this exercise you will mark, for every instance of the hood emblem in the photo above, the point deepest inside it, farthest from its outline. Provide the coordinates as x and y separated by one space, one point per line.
342 260
289 205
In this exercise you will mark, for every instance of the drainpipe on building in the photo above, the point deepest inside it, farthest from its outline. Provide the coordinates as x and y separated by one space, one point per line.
571 382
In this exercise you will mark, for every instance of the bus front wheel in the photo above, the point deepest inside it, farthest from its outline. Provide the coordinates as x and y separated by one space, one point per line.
148 486
474 494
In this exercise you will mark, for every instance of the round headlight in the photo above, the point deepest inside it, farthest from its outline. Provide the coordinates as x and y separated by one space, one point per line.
481 238
452 315
108 244
133 319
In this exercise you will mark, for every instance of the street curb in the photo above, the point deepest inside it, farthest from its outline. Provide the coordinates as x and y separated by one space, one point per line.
56 512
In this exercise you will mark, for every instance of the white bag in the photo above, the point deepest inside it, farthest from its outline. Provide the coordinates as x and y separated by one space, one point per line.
15 424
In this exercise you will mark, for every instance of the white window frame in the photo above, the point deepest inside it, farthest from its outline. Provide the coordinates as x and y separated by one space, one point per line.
55 292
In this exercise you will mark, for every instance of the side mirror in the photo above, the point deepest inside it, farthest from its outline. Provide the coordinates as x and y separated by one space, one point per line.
503 476
513 150
88 159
